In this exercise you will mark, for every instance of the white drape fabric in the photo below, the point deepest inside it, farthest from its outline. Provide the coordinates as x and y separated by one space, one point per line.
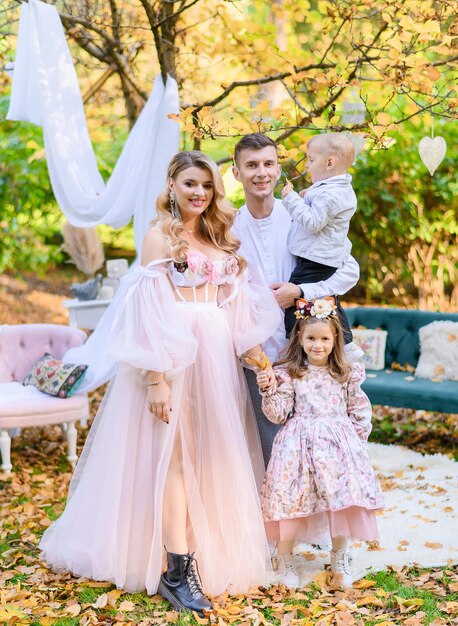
45 92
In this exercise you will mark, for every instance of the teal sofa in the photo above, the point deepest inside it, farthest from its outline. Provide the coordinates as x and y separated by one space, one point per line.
403 346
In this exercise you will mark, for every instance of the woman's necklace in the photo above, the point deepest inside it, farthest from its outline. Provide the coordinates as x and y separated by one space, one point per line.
190 231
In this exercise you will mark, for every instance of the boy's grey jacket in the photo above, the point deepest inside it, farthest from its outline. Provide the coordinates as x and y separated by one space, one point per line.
321 220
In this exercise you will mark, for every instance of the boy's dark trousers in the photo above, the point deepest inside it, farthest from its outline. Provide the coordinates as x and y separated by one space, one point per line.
311 272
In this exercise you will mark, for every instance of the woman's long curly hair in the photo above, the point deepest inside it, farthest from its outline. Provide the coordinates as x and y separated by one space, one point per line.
215 222
295 358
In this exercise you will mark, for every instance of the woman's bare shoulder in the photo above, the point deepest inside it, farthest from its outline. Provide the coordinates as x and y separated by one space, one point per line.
154 246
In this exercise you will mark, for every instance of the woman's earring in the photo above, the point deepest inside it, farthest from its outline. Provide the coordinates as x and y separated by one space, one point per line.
173 205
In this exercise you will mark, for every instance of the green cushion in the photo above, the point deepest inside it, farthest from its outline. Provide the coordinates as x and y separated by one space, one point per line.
421 393
403 346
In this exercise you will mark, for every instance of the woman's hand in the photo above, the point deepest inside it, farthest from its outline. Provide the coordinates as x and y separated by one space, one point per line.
266 381
159 401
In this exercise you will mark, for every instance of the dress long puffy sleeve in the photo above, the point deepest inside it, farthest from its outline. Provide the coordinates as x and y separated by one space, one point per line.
277 406
358 404
253 313
150 330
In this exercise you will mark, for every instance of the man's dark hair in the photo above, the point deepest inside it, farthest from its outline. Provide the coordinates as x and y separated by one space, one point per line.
253 141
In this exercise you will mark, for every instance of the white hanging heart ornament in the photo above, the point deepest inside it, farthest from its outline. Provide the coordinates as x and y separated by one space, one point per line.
432 152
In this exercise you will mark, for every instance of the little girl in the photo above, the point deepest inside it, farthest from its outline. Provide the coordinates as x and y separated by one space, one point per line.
319 480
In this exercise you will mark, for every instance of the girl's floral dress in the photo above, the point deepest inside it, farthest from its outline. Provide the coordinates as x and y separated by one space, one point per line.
319 478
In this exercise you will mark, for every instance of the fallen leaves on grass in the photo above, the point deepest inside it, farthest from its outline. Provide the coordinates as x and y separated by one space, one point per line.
423 431
34 495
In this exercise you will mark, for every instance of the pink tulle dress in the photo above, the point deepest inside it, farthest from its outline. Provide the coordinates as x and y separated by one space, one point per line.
320 481
111 528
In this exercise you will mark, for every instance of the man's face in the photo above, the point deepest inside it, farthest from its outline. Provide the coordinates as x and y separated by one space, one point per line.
258 171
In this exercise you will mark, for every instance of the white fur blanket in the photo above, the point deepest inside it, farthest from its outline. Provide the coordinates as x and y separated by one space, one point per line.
419 524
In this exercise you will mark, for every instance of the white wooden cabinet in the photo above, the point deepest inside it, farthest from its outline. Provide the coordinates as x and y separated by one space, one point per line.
85 313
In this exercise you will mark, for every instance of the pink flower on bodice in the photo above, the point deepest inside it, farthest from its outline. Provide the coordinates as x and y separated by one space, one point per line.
232 266
210 270
196 263
199 264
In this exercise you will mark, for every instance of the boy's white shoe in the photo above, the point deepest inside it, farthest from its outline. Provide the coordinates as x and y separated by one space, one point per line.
286 571
340 565
353 352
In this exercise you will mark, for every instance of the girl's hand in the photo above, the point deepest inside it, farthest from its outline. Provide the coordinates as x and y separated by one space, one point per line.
159 401
266 381
286 189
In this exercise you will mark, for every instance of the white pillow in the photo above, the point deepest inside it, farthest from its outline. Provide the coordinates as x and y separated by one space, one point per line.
372 343
438 351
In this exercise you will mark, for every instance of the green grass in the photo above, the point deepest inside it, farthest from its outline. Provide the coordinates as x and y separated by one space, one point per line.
18 578
19 500
141 600
51 512
267 612
63 466
5 544
185 618
88 595
387 581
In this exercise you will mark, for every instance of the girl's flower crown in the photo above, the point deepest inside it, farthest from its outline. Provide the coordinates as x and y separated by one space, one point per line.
320 308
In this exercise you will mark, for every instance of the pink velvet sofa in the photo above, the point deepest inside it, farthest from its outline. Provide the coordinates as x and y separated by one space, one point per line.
20 347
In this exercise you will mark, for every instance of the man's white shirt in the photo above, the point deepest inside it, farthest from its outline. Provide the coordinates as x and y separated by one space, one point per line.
264 246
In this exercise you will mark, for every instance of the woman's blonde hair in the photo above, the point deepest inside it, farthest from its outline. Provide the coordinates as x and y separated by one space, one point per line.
215 222
295 357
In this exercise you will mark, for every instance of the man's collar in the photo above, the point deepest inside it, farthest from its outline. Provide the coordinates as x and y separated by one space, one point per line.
267 215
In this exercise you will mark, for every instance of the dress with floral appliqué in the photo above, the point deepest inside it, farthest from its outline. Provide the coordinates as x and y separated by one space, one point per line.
320 480
111 528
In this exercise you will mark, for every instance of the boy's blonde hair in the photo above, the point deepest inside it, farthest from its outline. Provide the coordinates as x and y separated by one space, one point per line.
335 144
295 357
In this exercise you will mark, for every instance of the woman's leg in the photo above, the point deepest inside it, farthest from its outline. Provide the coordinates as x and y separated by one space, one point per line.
175 510
180 584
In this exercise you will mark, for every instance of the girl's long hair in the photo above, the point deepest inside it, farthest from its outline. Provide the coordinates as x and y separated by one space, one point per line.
295 358
215 222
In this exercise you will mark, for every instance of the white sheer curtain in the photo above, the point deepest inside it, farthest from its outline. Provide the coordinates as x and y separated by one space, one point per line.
45 92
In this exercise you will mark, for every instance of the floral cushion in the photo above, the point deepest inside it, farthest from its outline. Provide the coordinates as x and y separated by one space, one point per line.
438 351
372 343
55 378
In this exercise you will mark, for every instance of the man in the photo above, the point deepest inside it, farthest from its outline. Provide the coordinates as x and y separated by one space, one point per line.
262 226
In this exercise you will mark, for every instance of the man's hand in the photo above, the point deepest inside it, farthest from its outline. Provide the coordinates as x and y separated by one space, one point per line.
285 293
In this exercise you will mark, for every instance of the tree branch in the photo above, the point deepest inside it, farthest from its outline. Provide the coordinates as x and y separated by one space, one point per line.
173 16
258 81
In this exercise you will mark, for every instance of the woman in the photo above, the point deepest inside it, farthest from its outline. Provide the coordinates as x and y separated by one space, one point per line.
173 458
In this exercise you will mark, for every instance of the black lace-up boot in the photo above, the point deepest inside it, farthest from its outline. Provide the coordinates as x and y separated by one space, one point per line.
181 585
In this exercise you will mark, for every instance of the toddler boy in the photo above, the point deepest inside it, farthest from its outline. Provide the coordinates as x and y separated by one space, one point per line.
321 219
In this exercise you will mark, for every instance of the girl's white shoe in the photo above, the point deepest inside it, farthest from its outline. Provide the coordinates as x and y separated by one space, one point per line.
340 565
286 571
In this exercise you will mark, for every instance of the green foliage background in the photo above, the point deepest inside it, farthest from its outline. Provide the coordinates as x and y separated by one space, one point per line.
402 208
29 217
399 206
